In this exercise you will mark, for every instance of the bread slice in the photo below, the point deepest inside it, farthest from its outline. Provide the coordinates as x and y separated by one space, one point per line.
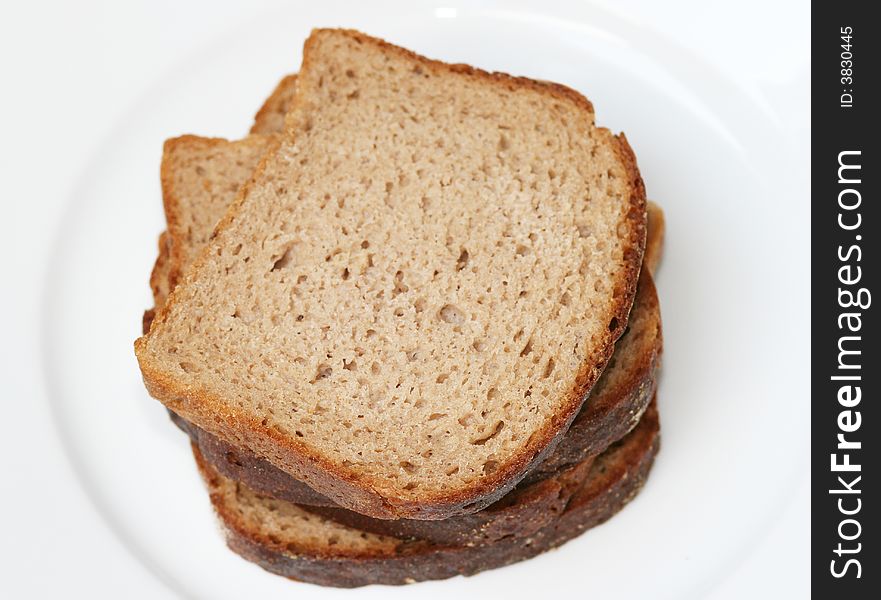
288 540
327 325
616 403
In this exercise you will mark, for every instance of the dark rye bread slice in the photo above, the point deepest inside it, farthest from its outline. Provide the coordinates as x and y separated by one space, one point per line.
288 540
617 399
616 402
360 103
520 513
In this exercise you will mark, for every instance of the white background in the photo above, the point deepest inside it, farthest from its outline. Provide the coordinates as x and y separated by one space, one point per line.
70 71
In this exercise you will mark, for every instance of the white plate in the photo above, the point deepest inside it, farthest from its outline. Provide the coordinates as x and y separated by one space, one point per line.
734 425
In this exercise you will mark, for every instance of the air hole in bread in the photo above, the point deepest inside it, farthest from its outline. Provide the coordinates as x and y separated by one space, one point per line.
323 372
462 261
450 314
496 429
400 286
282 261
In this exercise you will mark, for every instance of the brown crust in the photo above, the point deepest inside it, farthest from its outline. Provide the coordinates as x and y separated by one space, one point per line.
521 512
241 465
346 486
657 230
615 479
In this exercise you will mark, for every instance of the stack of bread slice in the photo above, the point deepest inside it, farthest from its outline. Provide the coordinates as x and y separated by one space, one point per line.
409 322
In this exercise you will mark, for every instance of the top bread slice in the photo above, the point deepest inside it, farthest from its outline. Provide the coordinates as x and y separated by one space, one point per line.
410 300
616 402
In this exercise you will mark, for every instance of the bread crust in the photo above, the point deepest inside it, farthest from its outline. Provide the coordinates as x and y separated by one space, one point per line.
615 479
346 486
657 230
